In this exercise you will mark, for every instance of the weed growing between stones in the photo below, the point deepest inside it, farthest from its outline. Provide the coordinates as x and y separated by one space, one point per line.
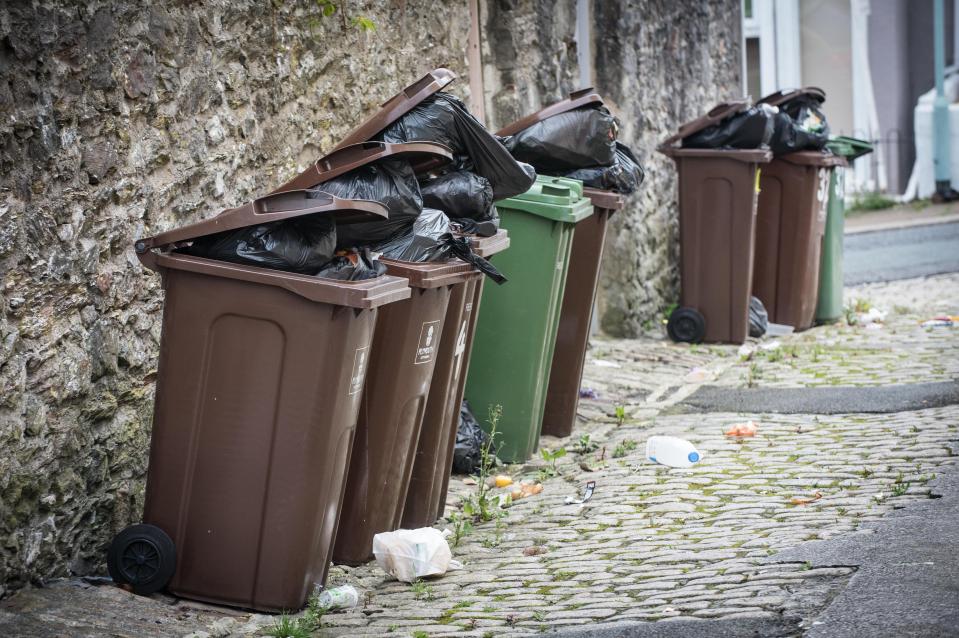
287 626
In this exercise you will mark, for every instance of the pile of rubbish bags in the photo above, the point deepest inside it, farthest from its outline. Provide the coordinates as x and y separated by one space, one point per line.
579 144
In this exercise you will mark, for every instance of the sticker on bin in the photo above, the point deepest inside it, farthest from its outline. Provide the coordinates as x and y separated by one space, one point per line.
461 340
429 342
359 369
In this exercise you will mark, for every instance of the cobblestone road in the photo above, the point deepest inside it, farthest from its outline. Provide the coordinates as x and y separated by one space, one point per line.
657 543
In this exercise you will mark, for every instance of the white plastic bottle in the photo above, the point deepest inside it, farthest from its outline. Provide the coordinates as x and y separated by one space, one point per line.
672 451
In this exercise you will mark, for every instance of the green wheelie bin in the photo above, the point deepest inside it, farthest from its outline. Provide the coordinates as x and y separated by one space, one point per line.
829 306
517 323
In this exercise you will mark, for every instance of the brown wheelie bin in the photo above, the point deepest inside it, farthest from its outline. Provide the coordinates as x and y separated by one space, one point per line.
586 255
790 225
257 395
429 481
718 189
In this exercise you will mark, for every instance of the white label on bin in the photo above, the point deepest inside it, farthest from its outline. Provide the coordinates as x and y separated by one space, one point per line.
360 358
461 339
429 342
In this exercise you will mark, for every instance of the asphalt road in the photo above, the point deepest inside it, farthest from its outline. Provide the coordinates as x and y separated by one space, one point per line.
901 253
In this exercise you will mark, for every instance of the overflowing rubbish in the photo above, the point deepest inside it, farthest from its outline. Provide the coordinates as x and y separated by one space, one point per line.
410 554
353 265
443 118
672 451
752 128
302 245
342 597
567 141
470 441
461 195
587 495
526 489
758 318
624 175
800 124
945 321
748 428
799 500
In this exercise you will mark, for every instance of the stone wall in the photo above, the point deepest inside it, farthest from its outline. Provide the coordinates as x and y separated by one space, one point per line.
120 120
657 64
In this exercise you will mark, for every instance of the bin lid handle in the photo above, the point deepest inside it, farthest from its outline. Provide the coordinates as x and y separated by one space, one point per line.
717 114
271 208
399 105
576 99
355 156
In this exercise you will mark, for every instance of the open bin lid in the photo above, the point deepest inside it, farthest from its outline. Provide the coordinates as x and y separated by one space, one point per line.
347 158
784 95
271 208
576 99
399 105
849 147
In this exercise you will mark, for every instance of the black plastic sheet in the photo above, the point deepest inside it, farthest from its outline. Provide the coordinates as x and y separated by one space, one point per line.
624 176
459 194
470 440
353 266
302 245
389 182
758 318
567 141
753 128
443 118
799 126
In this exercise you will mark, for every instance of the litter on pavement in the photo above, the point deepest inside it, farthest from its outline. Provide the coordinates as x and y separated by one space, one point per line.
672 451
587 494
411 554
748 428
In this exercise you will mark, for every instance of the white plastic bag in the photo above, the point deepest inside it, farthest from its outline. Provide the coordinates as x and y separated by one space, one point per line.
410 554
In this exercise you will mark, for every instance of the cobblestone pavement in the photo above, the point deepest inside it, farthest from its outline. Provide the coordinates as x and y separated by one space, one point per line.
657 543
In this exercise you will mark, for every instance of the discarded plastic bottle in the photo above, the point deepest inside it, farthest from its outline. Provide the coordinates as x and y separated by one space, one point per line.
671 451
343 597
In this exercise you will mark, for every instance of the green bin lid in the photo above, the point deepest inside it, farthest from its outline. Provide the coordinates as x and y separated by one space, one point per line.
556 198
849 147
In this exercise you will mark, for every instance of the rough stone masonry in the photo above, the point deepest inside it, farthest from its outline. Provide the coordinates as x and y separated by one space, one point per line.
123 119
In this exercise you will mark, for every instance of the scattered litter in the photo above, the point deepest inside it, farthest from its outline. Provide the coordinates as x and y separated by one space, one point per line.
873 326
668 610
342 597
535 550
772 345
586 467
758 318
588 393
410 554
944 321
469 481
672 451
526 489
748 428
587 494
470 440
745 351
798 500
501 480
874 315
602 363
697 375
779 330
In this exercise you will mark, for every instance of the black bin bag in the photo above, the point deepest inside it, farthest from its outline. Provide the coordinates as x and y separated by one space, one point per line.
753 128
353 265
567 141
624 176
431 238
470 440
389 182
443 118
302 245
459 194
799 126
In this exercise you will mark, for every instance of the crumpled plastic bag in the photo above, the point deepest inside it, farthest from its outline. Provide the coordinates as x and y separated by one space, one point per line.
753 128
411 554
470 440
459 194
389 182
799 126
431 238
302 245
624 176
353 265
567 141
443 118
758 317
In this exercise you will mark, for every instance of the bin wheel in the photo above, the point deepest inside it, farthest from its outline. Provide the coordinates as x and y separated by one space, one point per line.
686 324
142 556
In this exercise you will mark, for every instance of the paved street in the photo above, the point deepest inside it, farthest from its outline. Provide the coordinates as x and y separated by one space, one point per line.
792 531
901 253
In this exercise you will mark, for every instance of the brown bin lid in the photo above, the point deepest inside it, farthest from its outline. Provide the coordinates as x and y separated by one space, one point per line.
430 274
489 246
399 105
348 158
784 95
271 208
715 115
576 99
609 200
367 293
754 155
814 158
